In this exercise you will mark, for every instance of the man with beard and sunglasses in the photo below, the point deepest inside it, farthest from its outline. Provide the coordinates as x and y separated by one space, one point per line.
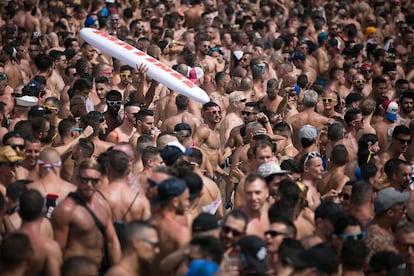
173 200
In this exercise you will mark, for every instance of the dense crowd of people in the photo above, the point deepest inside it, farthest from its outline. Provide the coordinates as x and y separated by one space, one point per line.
301 163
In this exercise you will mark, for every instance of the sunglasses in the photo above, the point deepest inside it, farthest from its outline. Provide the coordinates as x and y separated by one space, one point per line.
404 142
243 101
153 183
20 147
356 237
328 100
274 233
247 113
77 129
360 81
311 155
85 180
154 244
344 196
234 232
405 247
3 76
112 103
114 20
214 112
125 76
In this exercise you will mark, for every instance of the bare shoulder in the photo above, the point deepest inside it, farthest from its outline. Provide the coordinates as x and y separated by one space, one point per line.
116 270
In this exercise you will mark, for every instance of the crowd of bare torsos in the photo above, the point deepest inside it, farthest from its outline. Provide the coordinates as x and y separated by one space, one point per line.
215 130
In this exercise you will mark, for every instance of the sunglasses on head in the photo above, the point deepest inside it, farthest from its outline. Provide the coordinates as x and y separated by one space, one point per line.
356 237
311 155
112 103
360 81
85 180
274 233
214 112
234 232
328 100
77 129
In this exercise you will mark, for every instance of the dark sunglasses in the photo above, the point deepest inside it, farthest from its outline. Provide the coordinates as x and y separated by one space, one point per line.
234 232
3 76
20 147
404 142
85 180
274 233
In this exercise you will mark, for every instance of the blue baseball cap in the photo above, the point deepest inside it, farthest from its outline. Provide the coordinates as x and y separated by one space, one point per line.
168 189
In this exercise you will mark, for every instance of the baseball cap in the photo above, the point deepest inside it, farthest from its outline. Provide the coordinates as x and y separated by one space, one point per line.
387 197
34 84
321 256
308 132
8 154
297 55
334 43
270 168
27 101
391 109
322 37
168 189
182 126
90 21
254 251
195 73
353 97
202 268
171 153
205 222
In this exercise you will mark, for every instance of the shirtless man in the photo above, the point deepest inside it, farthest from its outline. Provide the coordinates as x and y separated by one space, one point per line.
31 23
224 86
400 141
256 193
386 122
165 107
50 184
233 117
144 123
32 148
312 173
207 136
140 247
307 116
334 49
151 159
272 98
321 55
56 79
47 256
182 116
12 69
406 102
299 60
127 128
74 228
329 100
335 177
337 82
97 121
125 72
209 64
102 87
6 93
173 197
354 123
126 204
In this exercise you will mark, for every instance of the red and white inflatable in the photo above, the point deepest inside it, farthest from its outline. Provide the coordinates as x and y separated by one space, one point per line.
133 57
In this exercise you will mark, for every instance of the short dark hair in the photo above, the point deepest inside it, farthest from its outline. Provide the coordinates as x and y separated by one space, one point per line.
31 205
210 248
